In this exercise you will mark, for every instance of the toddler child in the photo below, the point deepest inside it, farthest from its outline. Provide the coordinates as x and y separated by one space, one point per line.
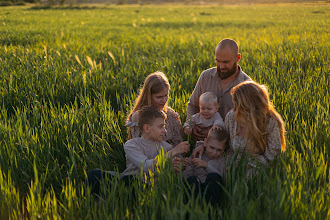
212 161
207 172
208 114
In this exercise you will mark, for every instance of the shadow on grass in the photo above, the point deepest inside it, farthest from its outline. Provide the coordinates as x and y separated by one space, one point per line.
23 41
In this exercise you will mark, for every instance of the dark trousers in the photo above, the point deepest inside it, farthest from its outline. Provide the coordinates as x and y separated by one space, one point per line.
96 176
211 189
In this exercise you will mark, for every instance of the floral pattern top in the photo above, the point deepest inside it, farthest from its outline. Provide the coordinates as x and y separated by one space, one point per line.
238 143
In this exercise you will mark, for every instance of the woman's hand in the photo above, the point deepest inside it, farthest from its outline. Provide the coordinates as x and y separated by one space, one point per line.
197 162
198 151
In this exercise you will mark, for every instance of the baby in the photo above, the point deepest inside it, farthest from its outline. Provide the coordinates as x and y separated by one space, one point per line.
208 114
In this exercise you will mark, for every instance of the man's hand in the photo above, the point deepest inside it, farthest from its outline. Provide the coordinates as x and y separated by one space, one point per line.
197 162
199 133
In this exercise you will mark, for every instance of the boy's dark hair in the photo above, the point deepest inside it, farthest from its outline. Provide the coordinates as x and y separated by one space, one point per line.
147 115
218 134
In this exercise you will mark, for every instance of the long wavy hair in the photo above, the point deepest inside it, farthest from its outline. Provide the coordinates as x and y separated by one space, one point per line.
154 83
253 108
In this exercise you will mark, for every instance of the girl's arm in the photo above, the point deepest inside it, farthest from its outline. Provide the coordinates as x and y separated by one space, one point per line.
174 127
133 126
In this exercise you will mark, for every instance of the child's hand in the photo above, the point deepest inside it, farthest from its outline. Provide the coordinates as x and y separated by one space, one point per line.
186 162
197 162
177 164
215 127
186 130
183 147
198 151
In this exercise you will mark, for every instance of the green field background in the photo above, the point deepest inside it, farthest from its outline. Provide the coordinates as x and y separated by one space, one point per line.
69 77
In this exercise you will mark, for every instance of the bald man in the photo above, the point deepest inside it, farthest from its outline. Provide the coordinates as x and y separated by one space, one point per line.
219 80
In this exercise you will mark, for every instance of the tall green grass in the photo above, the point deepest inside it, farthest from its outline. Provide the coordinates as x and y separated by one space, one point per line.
69 78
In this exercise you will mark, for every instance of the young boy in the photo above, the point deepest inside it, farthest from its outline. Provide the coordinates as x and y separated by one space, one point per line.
207 172
208 114
212 161
141 151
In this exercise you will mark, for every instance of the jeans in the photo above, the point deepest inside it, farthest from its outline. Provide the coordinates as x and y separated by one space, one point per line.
95 177
211 189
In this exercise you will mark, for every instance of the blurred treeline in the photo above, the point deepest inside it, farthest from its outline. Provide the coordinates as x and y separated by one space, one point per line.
142 2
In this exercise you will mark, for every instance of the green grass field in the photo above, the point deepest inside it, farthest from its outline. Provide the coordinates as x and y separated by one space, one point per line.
68 78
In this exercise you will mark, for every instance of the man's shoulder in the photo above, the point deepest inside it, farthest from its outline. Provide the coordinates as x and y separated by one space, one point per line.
209 72
244 76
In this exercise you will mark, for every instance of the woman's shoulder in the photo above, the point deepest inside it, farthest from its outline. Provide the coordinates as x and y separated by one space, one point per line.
230 116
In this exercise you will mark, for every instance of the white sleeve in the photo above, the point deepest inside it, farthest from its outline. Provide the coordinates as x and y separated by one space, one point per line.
136 156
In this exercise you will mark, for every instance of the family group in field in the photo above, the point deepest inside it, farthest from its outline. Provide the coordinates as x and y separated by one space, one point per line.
228 114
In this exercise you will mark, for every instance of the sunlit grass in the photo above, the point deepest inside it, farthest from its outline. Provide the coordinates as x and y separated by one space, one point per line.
69 78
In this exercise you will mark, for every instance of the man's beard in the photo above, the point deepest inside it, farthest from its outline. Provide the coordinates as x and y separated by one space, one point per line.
225 75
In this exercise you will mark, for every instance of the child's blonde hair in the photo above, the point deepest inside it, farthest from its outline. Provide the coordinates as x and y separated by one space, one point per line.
209 97
252 107
218 134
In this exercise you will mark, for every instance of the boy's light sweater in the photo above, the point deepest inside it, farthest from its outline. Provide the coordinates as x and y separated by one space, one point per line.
141 152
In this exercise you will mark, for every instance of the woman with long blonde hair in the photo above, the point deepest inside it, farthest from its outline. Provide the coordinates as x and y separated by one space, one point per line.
255 127
155 92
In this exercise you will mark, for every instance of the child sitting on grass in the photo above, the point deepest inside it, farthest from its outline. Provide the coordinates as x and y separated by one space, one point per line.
208 114
142 151
207 172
